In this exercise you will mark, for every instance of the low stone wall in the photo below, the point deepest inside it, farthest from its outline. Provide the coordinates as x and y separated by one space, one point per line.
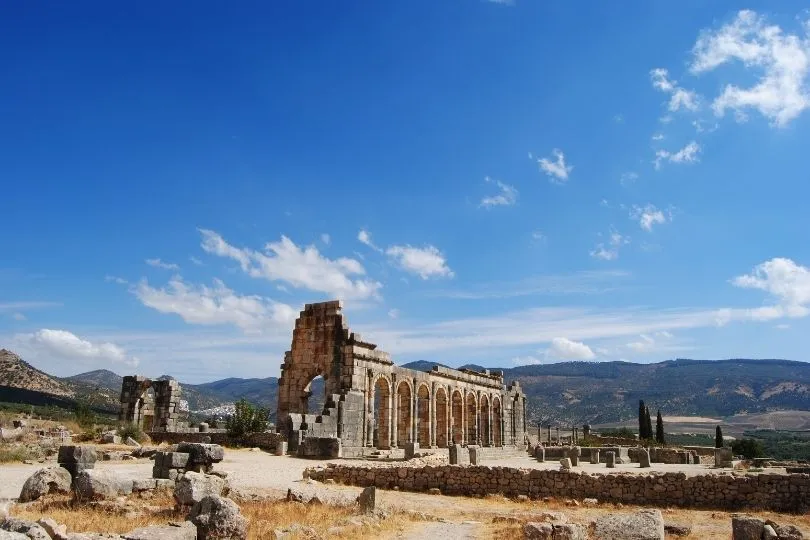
265 441
777 492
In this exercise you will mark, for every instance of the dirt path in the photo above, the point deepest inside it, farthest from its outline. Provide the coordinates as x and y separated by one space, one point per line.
457 531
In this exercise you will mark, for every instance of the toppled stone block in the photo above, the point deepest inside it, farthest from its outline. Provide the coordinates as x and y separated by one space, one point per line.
202 453
192 487
54 530
173 531
132 442
101 484
146 484
568 531
111 437
769 533
28 529
164 483
8 535
641 525
677 529
538 531
788 532
746 528
320 448
218 518
44 482
77 458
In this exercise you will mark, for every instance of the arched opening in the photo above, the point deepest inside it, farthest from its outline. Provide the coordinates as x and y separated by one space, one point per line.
404 418
313 396
456 425
145 415
472 419
496 421
441 418
423 416
484 423
382 414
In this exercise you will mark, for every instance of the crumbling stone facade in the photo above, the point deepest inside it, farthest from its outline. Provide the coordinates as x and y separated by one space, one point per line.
151 405
373 404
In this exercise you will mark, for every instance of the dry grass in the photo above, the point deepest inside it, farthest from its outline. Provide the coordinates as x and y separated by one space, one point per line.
264 517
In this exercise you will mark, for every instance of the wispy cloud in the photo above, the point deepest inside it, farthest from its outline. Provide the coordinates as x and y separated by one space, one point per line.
680 98
783 60
609 251
27 305
688 154
648 216
426 262
507 195
157 263
588 282
364 237
628 178
326 239
555 168
565 349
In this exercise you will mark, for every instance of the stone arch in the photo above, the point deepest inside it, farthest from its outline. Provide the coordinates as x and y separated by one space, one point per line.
442 413
382 413
404 427
145 408
497 420
312 392
456 418
484 423
471 412
423 415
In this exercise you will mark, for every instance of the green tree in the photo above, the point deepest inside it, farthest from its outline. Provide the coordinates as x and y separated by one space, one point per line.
748 448
648 430
642 420
246 419
84 414
718 437
659 429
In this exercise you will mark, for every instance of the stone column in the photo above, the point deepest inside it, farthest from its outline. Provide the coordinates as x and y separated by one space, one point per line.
478 419
412 434
395 422
549 434
491 429
369 431
433 414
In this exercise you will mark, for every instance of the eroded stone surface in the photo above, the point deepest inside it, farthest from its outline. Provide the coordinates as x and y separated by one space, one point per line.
44 482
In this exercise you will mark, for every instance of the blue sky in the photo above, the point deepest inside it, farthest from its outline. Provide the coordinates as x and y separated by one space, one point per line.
489 182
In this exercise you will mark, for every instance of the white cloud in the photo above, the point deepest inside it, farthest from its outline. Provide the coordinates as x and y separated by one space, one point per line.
18 317
539 236
788 284
781 92
526 360
618 118
393 313
609 251
648 216
679 97
658 341
326 239
196 261
645 344
502 2
69 346
658 137
507 197
557 169
215 305
565 349
425 262
157 263
115 279
15 306
302 268
687 154
628 178
365 238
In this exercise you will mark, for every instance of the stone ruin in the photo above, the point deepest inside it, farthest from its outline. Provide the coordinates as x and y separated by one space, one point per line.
152 405
371 405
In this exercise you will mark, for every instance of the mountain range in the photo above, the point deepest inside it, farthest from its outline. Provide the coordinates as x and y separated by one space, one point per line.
570 392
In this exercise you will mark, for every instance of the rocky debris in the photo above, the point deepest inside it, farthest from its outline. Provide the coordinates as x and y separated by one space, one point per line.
170 464
111 437
101 484
192 487
114 455
144 452
202 456
589 501
132 442
641 525
29 529
746 527
768 533
8 535
788 532
538 531
77 458
677 529
565 464
218 518
172 531
54 530
367 500
146 484
44 482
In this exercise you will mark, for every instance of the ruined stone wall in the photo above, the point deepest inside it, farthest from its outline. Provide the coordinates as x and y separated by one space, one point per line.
265 441
371 403
777 492
151 405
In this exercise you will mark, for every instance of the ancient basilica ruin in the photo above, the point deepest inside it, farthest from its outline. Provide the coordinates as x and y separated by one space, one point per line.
373 405
152 405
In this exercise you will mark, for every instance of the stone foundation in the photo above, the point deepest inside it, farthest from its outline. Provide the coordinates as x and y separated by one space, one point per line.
776 492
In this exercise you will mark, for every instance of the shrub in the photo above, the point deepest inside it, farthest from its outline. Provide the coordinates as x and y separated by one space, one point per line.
84 414
246 419
748 448
131 430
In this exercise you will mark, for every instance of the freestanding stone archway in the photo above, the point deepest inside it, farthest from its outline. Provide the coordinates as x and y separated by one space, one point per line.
152 405
371 404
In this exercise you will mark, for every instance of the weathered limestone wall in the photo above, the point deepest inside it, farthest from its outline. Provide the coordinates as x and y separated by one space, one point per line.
777 492
371 403
265 441
151 405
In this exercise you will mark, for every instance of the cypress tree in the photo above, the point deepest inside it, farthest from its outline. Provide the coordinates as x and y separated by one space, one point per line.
659 429
648 431
642 424
718 437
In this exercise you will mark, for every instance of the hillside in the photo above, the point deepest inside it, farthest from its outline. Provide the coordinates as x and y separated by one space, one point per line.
16 373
